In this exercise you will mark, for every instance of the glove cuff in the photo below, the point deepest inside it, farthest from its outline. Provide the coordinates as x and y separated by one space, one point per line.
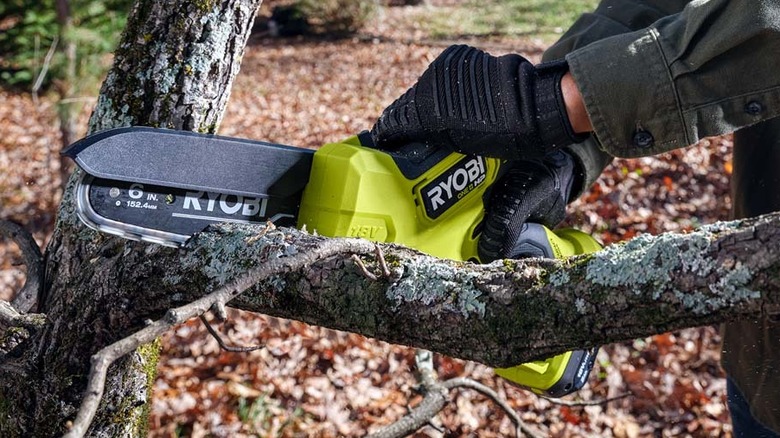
553 122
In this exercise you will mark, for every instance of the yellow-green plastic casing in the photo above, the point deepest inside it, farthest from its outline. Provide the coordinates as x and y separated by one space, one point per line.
541 375
354 191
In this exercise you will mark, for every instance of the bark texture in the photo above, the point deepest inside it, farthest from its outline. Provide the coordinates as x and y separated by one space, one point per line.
173 68
500 314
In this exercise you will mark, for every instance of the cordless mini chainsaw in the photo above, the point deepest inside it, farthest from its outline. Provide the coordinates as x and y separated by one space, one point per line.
163 186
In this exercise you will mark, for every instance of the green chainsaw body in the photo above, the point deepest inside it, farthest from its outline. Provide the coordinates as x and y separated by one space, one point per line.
354 191
436 207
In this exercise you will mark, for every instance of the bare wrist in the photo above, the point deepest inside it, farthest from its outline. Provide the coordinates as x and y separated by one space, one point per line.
575 106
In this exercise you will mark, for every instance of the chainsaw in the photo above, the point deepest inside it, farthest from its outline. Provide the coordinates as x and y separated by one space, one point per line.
163 186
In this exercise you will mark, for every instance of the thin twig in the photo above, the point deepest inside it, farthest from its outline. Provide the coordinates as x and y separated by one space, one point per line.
362 268
221 342
84 99
103 359
44 69
380 256
463 382
433 402
219 311
27 297
598 402
269 226
436 397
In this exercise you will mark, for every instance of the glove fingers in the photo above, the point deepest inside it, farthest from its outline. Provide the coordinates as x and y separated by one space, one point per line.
526 193
399 123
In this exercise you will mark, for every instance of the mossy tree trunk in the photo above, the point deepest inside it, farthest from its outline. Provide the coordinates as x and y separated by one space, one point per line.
173 68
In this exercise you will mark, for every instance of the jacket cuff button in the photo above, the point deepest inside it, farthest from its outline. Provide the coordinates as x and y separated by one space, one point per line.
754 108
643 139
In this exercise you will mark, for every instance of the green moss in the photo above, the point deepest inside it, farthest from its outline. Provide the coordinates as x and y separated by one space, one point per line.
149 358
150 353
204 5
6 414
209 129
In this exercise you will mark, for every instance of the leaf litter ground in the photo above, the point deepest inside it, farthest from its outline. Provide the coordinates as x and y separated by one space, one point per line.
310 381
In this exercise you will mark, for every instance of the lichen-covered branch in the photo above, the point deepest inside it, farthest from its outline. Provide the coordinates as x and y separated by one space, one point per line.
103 359
500 314
175 65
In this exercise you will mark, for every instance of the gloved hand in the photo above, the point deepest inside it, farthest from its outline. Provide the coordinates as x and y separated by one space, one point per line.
479 104
532 191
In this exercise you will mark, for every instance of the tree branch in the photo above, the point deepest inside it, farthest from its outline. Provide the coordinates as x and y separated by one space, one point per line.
436 397
504 313
462 382
10 317
27 296
222 344
103 359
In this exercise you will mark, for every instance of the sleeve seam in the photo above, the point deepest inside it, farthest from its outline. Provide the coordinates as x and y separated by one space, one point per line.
677 101
730 99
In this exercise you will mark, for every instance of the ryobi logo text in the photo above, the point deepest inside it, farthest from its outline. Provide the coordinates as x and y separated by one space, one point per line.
453 184
221 204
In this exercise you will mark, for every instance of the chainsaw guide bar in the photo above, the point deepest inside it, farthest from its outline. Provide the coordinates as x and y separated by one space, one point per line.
164 186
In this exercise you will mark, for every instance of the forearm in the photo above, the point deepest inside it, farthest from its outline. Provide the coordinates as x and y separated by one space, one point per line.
611 17
708 70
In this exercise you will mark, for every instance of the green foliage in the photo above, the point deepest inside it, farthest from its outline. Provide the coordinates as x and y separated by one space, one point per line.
258 415
29 28
338 17
539 18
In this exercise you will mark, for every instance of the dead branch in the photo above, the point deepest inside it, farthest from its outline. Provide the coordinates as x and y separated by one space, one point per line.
436 397
10 317
581 403
385 271
362 268
44 69
27 297
103 359
221 342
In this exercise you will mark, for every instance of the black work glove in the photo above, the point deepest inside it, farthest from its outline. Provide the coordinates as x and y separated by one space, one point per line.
479 104
532 191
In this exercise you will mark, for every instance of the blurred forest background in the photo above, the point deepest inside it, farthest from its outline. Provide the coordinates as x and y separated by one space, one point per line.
318 71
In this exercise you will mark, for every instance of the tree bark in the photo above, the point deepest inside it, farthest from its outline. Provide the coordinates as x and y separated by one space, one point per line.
173 68
501 314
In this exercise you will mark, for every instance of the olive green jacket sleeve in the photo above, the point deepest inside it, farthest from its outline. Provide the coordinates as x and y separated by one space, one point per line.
611 17
710 69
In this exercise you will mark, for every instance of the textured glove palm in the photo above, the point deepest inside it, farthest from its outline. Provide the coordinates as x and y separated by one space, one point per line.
475 103
534 191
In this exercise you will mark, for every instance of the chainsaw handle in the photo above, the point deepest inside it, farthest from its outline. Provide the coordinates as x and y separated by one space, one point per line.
533 241
412 159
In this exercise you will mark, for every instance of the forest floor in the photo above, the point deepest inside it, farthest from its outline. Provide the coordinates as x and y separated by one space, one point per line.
310 381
